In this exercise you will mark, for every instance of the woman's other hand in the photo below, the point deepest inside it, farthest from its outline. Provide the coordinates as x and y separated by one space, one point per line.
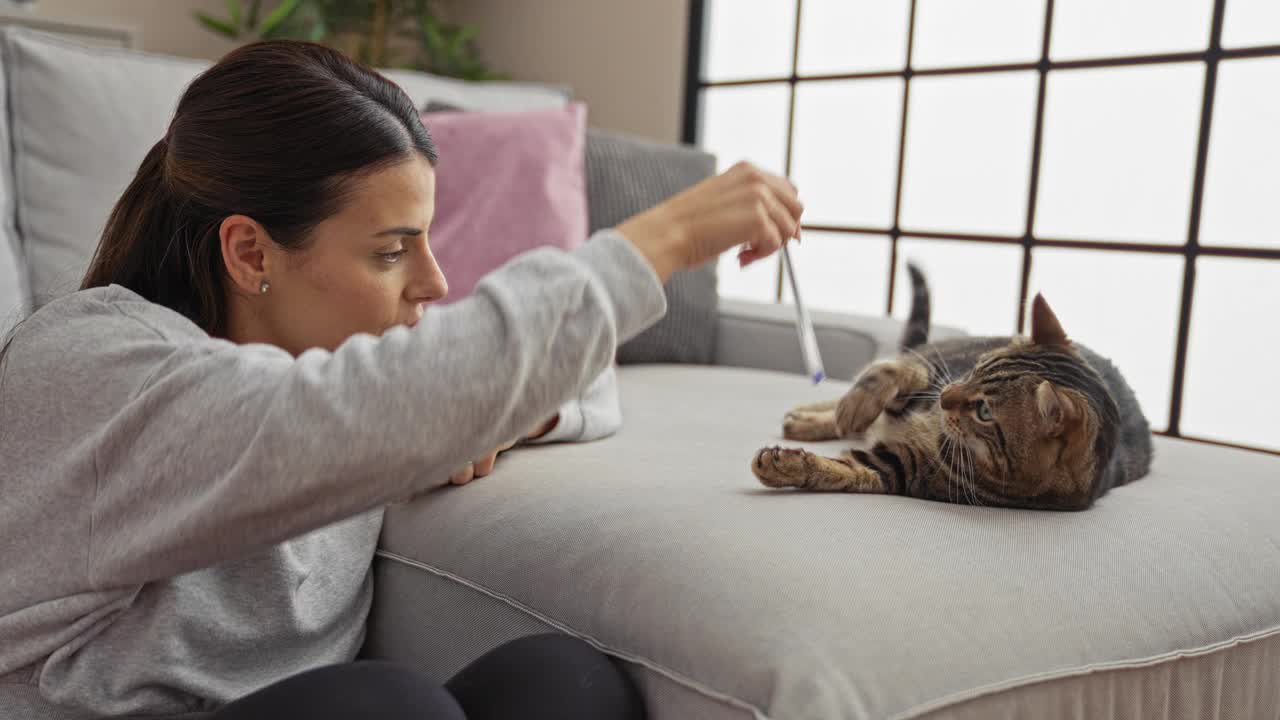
484 465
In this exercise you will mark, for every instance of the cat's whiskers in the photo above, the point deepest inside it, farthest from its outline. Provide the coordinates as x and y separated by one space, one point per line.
973 479
950 377
934 369
948 453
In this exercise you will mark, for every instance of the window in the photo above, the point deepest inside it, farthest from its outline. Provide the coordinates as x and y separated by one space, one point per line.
1122 156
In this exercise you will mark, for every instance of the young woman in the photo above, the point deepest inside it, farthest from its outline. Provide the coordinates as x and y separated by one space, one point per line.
198 445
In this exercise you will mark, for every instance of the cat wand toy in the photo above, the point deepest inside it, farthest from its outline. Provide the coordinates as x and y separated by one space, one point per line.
804 324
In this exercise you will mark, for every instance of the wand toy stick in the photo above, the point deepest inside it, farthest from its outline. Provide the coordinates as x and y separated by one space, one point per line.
804 325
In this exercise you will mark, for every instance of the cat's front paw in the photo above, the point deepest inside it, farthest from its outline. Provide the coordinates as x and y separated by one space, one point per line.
869 396
859 408
810 425
779 467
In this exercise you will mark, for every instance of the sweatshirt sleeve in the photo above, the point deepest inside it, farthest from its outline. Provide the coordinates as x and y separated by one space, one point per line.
594 414
226 449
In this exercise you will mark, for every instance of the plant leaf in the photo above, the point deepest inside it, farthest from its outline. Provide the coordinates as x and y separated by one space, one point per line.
252 21
319 29
233 8
467 33
272 24
433 42
222 27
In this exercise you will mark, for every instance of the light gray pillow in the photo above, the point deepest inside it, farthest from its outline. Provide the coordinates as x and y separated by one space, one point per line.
81 120
13 267
627 175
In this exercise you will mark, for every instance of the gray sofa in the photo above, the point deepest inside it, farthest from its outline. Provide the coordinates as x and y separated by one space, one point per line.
723 599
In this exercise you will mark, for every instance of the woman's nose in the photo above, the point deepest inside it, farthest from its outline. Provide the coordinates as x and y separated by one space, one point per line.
429 283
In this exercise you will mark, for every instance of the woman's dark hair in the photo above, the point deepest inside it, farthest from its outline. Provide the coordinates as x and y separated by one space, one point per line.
276 131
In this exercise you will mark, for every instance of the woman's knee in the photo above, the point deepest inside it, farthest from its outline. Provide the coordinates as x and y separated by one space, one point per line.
546 676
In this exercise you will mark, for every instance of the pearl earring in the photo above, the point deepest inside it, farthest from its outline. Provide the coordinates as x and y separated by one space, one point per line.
264 287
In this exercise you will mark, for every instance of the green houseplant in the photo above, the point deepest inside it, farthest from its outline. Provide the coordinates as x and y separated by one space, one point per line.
382 33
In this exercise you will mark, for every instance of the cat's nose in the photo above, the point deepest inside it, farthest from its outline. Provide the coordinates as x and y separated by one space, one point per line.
952 398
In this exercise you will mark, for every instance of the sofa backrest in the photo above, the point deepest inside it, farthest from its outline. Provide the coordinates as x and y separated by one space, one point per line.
13 271
82 118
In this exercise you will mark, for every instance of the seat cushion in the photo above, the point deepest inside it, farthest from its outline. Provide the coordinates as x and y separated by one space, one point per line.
730 600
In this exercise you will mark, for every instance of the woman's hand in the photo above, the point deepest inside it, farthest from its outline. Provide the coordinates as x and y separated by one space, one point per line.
743 206
484 465
478 468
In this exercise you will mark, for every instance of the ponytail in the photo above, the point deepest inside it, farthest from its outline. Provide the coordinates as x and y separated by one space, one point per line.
154 245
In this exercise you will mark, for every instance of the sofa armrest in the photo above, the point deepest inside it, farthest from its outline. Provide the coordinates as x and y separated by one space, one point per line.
763 336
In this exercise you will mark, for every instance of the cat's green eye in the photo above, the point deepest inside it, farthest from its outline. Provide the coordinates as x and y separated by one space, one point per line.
983 411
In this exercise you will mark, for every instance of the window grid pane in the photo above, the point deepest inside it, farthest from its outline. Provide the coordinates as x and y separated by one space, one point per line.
845 272
968 153
1119 152
845 149
1231 392
1105 244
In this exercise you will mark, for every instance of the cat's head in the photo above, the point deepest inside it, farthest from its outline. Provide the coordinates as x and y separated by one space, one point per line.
1036 420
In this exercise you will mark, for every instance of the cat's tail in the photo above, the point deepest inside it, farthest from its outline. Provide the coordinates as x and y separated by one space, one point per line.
916 332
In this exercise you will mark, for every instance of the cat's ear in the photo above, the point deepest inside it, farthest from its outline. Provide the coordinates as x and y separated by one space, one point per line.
1045 328
1058 410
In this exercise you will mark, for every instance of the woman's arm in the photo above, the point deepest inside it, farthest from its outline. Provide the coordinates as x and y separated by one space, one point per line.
230 448
225 449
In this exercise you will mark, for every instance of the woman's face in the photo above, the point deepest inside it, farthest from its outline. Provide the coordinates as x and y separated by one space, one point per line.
364 270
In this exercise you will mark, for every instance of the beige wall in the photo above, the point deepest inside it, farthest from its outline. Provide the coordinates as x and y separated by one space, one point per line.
162 26
625 58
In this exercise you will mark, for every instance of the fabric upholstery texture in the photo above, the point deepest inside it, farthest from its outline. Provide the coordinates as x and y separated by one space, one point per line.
13 269
626 176
82 119
660 546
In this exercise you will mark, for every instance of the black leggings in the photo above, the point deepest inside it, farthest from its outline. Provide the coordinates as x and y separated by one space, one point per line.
542 676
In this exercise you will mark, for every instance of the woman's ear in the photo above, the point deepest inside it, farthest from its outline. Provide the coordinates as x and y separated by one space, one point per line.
244 244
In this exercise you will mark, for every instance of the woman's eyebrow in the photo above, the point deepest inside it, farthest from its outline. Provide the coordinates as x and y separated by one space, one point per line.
399 231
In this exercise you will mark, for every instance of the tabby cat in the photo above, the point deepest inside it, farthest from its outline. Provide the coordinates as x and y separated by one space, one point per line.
1039 422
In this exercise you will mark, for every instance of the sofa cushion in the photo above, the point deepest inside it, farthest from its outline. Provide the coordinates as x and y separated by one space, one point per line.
626 176
506 183
83 118
13 270
660 546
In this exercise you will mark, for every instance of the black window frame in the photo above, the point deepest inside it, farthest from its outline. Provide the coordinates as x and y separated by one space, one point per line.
1190 250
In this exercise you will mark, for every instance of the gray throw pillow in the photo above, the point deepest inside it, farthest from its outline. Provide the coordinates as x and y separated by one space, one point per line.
628 175
625 176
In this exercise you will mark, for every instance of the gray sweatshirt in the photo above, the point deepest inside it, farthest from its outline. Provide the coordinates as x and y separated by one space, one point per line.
184 520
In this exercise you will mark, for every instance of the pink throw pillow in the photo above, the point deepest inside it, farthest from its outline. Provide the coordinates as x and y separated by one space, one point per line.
506 183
